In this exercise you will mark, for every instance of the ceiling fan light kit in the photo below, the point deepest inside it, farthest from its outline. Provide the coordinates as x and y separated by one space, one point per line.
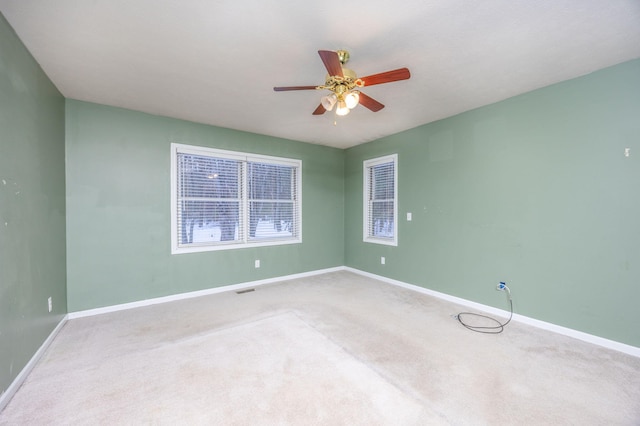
352 99
329 101
342 108
343 83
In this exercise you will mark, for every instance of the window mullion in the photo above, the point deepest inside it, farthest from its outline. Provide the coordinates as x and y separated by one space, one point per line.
244 196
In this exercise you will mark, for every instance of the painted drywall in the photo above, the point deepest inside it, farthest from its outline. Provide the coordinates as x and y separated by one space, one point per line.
32 206
535 191
118 209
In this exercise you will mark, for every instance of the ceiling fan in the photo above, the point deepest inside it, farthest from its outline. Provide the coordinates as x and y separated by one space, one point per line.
344 84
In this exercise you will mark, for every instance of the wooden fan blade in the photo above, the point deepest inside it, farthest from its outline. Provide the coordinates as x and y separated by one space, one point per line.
319 111
284 89
369 102
331 62
386 77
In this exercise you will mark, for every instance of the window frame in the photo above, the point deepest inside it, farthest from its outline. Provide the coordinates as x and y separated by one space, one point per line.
245 240
367 165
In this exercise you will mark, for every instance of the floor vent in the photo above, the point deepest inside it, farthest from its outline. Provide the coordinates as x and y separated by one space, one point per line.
248 290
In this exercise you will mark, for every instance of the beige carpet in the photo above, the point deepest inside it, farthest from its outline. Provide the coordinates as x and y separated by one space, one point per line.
327 350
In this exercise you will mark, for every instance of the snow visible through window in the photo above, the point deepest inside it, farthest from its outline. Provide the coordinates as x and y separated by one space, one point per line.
211 231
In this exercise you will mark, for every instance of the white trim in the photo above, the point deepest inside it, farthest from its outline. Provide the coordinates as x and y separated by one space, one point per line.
195 248
366 165
22 376
235 155
6 396
244 240
589 338
174 195
198 293
596 340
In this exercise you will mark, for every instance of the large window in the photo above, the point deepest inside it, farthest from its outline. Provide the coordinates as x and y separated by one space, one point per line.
380 200
223 199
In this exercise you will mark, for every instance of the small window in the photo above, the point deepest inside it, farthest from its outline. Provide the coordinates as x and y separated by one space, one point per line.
224 200
380 200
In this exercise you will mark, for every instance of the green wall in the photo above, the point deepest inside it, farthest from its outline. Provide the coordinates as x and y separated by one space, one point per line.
32 206
118 199
535 191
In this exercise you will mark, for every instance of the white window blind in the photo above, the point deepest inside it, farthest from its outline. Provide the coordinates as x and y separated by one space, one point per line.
272 201
209 195
224 199
380 200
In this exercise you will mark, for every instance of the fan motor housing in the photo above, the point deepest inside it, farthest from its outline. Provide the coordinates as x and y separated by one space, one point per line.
348 81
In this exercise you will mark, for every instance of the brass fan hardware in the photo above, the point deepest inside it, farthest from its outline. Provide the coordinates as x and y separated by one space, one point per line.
343 83
343 55
342 86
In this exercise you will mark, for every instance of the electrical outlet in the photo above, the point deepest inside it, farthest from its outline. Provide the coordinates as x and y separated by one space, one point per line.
382 260
50 302
257 263
501 286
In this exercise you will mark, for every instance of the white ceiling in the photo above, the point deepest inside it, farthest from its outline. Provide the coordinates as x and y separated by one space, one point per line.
217 61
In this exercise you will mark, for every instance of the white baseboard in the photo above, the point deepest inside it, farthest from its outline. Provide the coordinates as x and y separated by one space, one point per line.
600 341
17 382
189 295
22 376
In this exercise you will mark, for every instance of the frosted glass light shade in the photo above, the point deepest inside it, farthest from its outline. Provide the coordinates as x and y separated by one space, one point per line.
329 101
352 99
342 108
